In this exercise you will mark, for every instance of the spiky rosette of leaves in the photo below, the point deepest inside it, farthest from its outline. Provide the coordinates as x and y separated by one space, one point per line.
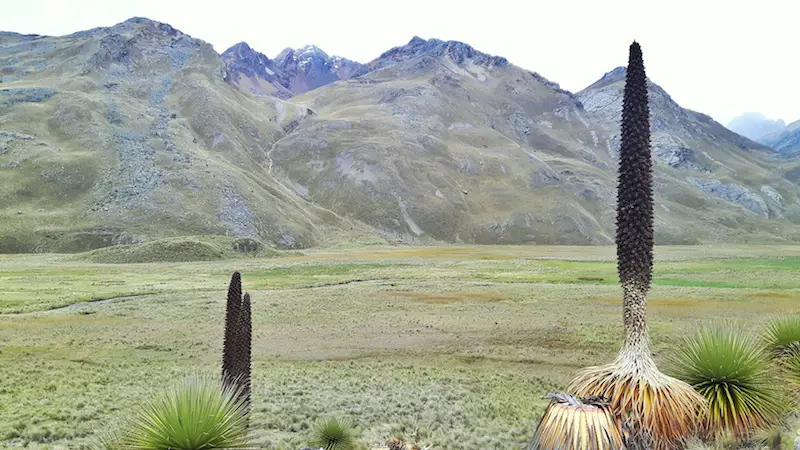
335 433
782 336
579 423
791 366
194 415
730 370
635 180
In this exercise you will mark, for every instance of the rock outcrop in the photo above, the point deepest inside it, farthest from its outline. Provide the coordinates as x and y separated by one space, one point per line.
733 193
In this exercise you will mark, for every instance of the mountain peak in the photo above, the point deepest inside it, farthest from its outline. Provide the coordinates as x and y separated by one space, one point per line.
310 49
262 75
458 52
136 25
610 77
239 47
616 74
294 71
416 40
244 54
150 23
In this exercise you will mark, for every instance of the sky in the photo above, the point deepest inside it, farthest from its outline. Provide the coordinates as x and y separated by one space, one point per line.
719 57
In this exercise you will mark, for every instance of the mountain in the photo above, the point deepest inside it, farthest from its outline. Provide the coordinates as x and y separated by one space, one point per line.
727 167
127 133
445 142
253 72
139 131
756 126
772 133
292 72
786 141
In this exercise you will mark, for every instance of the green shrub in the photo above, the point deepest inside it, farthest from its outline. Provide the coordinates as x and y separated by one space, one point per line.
335 433
792 366
782 335
731 371
196 414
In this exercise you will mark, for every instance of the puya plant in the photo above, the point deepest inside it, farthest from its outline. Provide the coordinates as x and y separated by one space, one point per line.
731 370
335 433
197 414
237 341
201 413
654 411
578 423
781 338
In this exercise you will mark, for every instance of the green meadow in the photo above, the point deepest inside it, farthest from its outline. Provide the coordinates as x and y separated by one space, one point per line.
453 346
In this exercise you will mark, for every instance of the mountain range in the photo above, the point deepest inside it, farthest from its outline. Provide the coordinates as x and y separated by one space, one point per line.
138 131
772 133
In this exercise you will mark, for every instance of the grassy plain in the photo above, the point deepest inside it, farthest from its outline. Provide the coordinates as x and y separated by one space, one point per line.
454 344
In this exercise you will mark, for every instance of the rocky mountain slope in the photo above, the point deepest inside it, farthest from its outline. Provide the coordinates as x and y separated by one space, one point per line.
443 141
786 141
127 133
138 131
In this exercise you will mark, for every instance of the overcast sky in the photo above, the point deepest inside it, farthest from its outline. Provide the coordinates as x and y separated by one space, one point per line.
720 57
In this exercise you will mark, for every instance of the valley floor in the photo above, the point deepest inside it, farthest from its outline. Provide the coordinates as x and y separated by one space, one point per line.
454 344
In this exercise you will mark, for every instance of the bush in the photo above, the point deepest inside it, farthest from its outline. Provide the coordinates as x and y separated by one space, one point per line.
335 434
732 372
196 414
782 335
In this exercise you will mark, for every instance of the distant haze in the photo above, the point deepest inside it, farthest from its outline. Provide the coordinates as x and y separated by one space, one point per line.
756 126
713 56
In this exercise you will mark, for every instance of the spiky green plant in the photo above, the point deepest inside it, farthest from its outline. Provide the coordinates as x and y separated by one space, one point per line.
792 367
660 411
578 423
237 343
782 335
335 433
730 369
196 414
108 438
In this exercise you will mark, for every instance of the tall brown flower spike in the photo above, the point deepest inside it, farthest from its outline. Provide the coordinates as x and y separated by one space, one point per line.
237 345
655 411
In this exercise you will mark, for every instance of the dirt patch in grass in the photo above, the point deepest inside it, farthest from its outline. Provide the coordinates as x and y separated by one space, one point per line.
590 279
447 297
774 294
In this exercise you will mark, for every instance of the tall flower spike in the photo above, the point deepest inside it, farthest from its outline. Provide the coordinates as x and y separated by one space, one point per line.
635 181
244 349
231 321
